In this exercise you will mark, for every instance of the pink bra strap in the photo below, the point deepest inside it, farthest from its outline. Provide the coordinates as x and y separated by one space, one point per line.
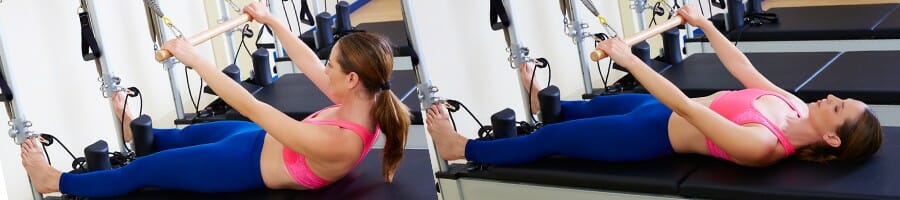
356 128
785 143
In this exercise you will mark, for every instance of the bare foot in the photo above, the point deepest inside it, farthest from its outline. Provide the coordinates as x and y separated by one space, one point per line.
525 74
449 144
118 100
44 177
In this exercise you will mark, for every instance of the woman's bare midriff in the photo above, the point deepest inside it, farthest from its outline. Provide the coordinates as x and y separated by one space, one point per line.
271 164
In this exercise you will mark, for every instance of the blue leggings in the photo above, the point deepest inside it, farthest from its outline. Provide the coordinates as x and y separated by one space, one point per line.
619 128
210 157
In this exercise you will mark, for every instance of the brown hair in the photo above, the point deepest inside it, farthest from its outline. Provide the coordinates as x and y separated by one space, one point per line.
859 141
371 57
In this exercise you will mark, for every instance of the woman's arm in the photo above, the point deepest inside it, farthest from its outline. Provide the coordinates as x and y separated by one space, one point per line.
744 144
301 55
312 141
733 59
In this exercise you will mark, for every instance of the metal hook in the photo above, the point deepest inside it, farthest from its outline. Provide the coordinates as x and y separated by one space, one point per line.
233 6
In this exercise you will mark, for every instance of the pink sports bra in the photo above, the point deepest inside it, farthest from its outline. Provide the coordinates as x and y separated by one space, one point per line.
296 162
737 106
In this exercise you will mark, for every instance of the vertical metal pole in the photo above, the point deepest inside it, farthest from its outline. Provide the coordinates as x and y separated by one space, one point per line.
689 30
19 125
578 37
639 6
278 47
229 35
158 26
110 81
315 12
427 91
518 55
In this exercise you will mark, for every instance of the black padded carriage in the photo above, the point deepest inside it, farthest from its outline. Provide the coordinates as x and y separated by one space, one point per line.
298 97
412 181
705 177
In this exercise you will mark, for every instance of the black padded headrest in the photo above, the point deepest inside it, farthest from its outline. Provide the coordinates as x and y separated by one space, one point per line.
876 178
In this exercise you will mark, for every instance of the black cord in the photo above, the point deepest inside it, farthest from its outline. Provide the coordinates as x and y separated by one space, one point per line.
700 4
50 138
604 79
199 96
530 91
456 105
190 93
544 64
288 20
245 33
134 92
740 33
123 121
47 155
452 121
296 15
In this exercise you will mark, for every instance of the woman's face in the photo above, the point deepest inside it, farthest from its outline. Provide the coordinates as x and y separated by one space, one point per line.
830 113
337 79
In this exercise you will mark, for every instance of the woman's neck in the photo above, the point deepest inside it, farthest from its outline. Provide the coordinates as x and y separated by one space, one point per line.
356 107
801 132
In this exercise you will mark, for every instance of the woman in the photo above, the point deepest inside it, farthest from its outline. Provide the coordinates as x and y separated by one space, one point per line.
757 126
274 151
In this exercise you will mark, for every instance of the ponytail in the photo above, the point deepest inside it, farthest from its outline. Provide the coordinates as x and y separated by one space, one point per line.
393 118
371 57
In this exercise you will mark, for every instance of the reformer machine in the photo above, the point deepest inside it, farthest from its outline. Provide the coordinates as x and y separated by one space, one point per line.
412 181
693 176
19 125
282 92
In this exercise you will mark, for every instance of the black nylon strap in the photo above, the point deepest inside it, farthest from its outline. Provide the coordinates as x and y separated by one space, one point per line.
306 16
89 48
499 18
262 28
717 3
6 94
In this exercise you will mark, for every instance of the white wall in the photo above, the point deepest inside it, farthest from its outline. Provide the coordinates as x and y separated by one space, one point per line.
467 60
59 92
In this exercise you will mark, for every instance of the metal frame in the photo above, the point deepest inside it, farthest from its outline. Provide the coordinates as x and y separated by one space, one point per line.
158 29
19 125
473 188
278 47
575 30
639 6
225 15
518 55
427 91
109 82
